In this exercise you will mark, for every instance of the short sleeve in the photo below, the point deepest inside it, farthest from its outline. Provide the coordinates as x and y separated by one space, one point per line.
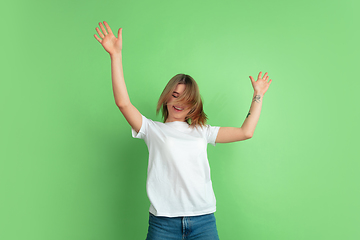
211 134
143 130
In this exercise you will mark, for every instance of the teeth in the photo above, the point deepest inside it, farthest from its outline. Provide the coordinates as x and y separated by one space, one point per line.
178 108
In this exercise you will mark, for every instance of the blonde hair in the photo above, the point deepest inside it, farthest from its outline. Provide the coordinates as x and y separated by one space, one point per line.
191 95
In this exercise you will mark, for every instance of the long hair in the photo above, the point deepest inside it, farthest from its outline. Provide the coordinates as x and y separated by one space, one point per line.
191 95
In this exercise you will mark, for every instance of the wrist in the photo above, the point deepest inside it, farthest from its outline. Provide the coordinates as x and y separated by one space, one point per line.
258 93
116 55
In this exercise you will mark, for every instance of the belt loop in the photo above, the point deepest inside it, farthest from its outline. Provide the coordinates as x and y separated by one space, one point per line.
183 227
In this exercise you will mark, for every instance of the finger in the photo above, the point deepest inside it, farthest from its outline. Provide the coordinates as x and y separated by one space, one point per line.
259 76
108 28
120 34
267 78
103 29
270 81
252 80
99 32
97 38
264 77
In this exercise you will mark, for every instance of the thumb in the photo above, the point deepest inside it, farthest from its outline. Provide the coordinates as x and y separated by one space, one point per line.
251 78
119 33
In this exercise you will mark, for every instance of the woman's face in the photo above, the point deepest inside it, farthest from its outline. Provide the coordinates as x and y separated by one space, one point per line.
177 112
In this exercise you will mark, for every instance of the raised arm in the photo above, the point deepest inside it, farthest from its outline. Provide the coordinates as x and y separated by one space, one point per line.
113 46
246 131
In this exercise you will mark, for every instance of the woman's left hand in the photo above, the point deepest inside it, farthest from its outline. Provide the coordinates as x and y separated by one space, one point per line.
262 84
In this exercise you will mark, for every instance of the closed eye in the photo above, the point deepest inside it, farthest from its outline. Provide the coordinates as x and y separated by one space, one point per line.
174 96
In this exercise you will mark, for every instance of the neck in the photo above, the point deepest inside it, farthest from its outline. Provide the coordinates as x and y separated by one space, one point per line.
175 120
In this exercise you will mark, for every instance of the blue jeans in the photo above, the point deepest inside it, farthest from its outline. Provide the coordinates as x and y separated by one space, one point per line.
178 228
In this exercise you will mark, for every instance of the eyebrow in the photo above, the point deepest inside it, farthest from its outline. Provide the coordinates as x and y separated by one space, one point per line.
176 92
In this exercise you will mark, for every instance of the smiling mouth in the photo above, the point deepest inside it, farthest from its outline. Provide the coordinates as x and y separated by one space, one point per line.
178 109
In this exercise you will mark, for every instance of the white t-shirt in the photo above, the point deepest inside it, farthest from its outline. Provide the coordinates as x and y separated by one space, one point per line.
178 179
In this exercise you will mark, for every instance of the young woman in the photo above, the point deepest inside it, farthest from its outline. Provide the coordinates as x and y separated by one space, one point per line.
182 200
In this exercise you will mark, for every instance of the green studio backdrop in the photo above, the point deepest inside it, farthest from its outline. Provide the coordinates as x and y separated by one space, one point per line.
69 168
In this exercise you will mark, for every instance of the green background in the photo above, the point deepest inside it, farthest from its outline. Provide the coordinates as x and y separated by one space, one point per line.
70 169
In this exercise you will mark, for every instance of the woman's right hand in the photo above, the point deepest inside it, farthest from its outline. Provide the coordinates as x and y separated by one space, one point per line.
110 43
